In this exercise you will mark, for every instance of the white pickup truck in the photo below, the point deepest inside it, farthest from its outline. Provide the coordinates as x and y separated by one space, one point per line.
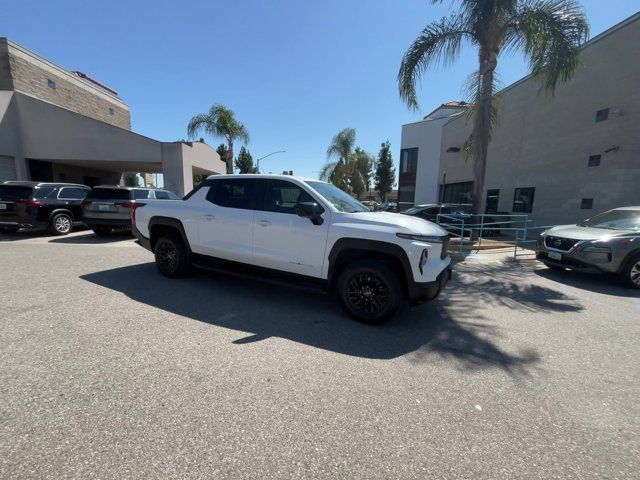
308 231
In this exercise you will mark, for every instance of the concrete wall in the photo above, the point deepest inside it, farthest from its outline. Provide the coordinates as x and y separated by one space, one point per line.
545 141
180 161
26 72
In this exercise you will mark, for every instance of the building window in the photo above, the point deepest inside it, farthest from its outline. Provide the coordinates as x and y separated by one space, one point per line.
51 84
586 204
493 197
111 111
457 193
594 160
407 177
523 200
602 115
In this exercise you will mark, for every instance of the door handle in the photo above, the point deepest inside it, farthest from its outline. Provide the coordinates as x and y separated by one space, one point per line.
264 223
209 217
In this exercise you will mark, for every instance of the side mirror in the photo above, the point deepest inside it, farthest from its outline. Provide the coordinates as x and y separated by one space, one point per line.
310 210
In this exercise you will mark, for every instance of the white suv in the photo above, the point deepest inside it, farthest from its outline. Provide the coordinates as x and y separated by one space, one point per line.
309 231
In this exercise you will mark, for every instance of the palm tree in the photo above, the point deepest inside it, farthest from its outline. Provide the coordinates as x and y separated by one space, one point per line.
549 32
343 172
220 122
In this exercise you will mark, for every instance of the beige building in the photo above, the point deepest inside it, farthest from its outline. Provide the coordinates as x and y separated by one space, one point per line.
559 158
60 125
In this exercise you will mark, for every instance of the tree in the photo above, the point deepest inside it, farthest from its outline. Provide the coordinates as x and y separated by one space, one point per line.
222 151
385 177
244 162
343 172
220 122
365 163
549 32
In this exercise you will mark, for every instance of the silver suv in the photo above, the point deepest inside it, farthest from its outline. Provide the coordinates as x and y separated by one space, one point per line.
106 208
606 243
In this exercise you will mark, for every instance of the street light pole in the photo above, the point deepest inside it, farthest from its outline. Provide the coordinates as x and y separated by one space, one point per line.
262 158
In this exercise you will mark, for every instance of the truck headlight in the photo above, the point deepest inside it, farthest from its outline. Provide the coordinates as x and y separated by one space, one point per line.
421 238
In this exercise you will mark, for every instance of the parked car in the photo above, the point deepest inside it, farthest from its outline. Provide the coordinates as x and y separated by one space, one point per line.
459 212
388 207
306 231
370 204
606 243
106 207
40 206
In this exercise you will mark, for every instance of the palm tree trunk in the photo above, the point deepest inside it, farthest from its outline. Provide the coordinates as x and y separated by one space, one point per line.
229 159
481 128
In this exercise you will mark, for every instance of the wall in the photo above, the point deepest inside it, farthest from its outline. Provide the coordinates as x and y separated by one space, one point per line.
426 135
29 74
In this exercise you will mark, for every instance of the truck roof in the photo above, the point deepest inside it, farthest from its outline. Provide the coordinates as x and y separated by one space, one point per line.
263 175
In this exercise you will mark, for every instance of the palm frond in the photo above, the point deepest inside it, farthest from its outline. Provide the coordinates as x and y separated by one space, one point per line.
327 171
550 33
199 122
439 43
342 144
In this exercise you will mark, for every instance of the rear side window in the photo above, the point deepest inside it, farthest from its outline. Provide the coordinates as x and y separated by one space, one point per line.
282 196
108 194
236 193
42 192
165 195
141 194
72 193
14 192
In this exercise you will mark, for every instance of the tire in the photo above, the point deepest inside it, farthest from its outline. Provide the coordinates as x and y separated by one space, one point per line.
60 224
555 267
631 272
171 256
369 291
8 231
102 231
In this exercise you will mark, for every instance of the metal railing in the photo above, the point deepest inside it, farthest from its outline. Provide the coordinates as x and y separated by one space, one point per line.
511 229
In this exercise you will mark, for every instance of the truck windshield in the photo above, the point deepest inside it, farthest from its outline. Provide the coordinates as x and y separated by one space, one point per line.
615 220
339 199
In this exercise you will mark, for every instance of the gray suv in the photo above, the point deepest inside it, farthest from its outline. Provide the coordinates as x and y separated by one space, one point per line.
606 243
106 208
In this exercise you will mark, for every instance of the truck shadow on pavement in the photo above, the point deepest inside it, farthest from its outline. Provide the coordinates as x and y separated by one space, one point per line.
453 327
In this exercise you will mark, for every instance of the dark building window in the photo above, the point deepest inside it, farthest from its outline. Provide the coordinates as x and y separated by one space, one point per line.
602 115
51 84
586 204
594 160
523 200
493 197
457 193
111 111
407 177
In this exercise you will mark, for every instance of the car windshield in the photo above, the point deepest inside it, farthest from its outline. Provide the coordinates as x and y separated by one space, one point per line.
615 220
339 199
14 192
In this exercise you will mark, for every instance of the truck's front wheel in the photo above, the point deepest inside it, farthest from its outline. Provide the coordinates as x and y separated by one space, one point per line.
171 256
369 291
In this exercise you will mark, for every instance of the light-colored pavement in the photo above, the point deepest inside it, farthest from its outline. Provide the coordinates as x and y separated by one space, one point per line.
108 370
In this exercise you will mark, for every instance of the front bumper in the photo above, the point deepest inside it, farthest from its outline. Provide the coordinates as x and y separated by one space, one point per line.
420 293
580 259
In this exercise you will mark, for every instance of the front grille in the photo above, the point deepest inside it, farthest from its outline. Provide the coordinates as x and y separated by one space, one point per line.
560 243
445 248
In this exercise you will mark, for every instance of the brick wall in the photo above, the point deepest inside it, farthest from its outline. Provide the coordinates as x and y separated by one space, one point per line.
33 80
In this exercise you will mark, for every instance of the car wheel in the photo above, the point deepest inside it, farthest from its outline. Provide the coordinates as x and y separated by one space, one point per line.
61 224
171 256
102 232
369 291
631 272
9 231
555 267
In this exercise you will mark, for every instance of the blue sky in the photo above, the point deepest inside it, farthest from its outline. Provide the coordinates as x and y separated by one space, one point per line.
295 72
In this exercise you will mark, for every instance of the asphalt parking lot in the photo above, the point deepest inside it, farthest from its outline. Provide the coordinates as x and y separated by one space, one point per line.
108 370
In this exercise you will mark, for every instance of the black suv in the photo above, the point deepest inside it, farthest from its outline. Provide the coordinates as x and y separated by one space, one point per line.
40 206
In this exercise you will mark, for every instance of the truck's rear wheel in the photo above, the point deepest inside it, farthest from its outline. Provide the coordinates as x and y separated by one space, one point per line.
369 291
171 256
